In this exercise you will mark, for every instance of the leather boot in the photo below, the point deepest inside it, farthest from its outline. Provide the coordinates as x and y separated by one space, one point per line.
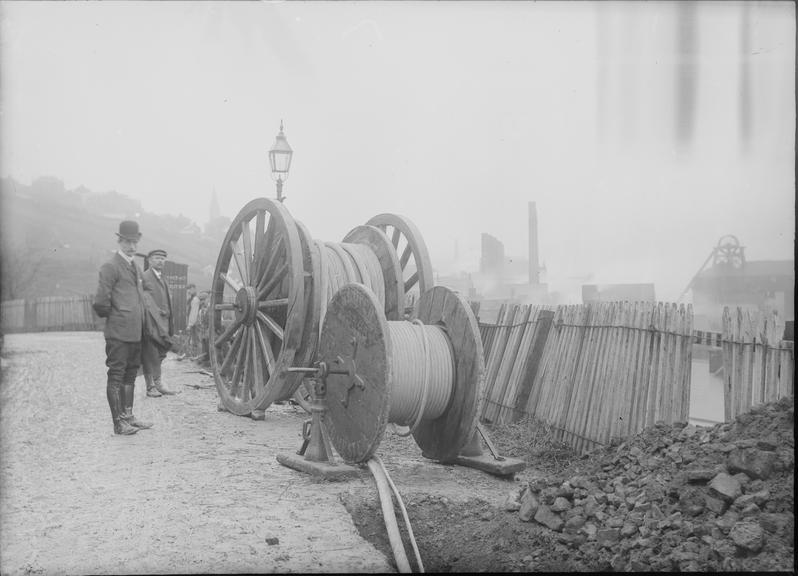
162 390
121 426
152 391
127 415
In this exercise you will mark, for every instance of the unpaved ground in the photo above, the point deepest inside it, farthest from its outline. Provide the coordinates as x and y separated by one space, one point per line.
200 492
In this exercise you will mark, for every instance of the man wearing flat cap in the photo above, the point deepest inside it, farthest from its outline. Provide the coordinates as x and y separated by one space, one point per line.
158 323
119 301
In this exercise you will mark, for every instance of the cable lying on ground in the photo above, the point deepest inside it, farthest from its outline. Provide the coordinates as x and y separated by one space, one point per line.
383 482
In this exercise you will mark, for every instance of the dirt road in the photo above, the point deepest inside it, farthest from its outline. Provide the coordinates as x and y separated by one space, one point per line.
200 492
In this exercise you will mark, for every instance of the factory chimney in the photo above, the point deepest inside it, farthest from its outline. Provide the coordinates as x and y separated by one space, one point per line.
534 266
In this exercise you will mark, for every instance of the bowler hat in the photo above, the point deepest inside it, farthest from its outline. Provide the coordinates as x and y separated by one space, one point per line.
129 230
157 252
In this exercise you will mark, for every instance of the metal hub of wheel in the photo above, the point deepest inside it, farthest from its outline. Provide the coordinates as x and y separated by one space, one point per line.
246 306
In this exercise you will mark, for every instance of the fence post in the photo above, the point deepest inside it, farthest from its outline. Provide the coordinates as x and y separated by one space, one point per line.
545 318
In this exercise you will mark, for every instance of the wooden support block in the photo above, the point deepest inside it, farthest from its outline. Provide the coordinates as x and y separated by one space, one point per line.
487 463
319 469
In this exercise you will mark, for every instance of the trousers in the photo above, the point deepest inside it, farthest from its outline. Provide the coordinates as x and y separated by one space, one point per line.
123 360
151 357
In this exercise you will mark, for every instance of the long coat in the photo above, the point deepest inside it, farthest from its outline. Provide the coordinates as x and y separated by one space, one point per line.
119 299
158 305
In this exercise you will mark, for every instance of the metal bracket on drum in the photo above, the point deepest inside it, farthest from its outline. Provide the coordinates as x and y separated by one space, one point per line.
316 456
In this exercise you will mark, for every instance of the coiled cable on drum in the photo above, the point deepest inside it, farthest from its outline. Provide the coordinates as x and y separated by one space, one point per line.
422 373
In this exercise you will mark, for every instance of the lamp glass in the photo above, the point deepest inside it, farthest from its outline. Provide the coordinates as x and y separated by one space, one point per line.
280 156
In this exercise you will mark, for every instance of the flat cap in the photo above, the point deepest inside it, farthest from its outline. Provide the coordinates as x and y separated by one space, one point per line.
157 252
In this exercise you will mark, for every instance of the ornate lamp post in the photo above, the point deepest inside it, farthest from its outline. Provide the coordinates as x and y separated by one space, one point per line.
280 160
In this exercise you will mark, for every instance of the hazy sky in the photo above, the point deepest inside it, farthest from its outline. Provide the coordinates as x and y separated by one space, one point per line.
454 114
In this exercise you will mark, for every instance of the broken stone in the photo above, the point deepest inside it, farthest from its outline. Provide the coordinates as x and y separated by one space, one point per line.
565 490
547 495
725 487
590 529
769 444
748 535
513 500
750 510
628 529
688 431
560 504
545 516
716 505
591 505
606 537
743 501
528 506
761 497
574 524
691 501
614 522
700 475
774 522
725 522
755 463
581 482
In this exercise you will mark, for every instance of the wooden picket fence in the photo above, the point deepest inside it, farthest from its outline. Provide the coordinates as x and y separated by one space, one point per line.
603 370
513 347
49 313
758 365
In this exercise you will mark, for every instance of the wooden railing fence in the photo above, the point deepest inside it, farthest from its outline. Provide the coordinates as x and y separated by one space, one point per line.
758 365
49 313
600 371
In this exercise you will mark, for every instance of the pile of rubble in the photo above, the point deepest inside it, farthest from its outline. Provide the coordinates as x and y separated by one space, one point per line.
678 497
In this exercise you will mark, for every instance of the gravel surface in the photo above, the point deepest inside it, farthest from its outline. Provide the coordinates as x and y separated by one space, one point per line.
199 492
203 492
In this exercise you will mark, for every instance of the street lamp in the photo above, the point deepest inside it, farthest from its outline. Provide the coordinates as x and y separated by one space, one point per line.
280 159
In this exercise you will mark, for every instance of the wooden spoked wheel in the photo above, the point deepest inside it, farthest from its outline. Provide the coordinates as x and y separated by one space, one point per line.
257 307
413 256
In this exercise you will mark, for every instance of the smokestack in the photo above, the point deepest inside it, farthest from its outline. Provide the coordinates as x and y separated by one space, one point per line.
534 266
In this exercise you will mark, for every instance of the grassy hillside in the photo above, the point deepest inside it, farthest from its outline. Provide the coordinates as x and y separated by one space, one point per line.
60 237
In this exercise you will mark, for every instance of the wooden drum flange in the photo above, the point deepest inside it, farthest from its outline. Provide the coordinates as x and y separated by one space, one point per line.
380 244
311 259
443 438
355 335
356 343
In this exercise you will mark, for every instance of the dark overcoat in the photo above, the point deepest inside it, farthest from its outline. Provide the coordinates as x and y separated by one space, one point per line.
158 299
119 299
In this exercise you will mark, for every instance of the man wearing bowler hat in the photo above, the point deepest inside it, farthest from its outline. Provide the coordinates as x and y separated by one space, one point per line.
119 301
158 324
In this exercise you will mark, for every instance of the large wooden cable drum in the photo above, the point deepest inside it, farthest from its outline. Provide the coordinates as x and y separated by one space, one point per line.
271 288
426 374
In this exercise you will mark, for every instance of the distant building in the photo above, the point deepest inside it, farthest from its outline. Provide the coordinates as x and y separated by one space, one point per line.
618 293
492 259
766 285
